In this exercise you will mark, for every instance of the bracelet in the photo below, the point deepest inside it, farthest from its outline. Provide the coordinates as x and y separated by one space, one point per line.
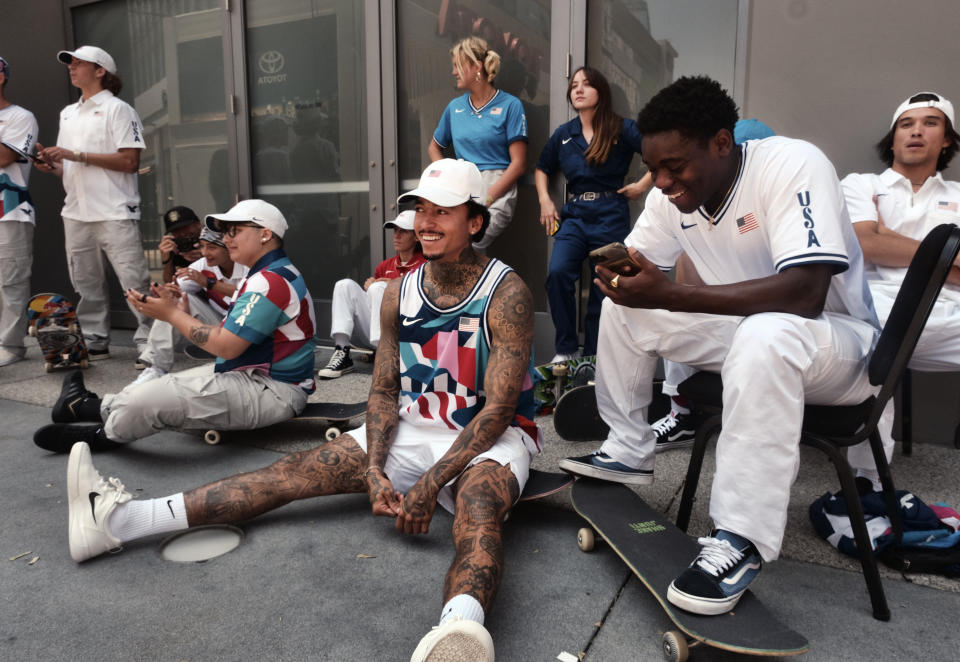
76 155
211 281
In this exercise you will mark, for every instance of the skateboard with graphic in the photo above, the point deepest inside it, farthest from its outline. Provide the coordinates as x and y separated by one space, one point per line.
552 380
334 415
657 552
577 418
53 322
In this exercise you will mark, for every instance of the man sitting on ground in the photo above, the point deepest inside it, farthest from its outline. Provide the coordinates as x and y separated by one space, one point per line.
355 310
264 348
204 290
785 317
455 353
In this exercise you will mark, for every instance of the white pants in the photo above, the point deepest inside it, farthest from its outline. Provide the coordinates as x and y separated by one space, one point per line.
771 365
416 449
938 349
199 399
164 340
675 374
501 209
355 312
86 243
16 259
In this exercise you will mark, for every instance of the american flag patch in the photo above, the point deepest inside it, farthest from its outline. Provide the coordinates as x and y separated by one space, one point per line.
435 173
496 111
747 223
947 206
469 324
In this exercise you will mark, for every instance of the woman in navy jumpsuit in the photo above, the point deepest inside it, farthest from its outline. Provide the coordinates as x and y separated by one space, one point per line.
596 211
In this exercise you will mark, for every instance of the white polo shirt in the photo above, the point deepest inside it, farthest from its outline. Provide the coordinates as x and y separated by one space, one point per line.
18 127
911 214
785 209
102 124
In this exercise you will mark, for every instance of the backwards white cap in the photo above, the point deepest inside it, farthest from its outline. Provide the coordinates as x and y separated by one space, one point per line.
941 103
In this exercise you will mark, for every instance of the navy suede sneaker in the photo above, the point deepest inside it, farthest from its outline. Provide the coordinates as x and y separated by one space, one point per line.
720 574
602 466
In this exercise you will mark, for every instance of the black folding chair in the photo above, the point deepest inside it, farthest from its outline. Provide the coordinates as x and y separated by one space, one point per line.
834 428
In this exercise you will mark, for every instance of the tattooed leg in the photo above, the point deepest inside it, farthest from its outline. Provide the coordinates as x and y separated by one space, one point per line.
333 468
485 493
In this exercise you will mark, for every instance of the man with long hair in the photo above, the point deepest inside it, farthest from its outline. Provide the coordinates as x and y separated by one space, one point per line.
98 155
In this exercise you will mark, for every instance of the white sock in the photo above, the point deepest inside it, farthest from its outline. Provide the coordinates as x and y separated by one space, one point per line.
341 340
677 409
139 518
465 606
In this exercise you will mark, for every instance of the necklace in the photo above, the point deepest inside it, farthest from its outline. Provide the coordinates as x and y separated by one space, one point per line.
712 217
477 107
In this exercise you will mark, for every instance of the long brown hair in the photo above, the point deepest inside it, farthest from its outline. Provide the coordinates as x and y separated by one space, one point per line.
606 123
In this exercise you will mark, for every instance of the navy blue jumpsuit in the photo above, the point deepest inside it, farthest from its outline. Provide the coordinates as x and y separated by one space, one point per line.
584 224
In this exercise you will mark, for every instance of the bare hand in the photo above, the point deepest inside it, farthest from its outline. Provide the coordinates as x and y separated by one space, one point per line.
549 218
637 188
192 274
383 500
167 246
160 305
648 288
368 282
42 165
416 509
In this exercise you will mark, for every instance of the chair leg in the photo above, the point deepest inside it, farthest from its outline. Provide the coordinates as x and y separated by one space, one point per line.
868 561
693 470
889 491
906 412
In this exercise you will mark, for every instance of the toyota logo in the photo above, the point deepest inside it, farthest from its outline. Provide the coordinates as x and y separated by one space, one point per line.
271 62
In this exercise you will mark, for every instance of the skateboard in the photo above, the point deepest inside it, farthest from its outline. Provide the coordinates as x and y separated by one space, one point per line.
544 483
657 551
53 322
551 380
362 353
576 417
332 414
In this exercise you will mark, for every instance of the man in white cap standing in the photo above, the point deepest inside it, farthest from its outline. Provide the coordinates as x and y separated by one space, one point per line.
264 349
98 155
893 211
355 310
18 133
449 422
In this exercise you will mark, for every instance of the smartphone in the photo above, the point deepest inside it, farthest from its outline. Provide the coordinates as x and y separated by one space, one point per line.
614 257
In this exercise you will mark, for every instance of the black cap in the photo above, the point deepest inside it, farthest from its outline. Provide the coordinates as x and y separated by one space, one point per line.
179 217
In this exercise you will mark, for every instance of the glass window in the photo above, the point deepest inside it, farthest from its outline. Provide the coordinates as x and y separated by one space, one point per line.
308 136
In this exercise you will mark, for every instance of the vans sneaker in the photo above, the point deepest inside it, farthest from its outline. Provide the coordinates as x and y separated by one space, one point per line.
75 403
602 466
716 579
98 354
457 640
91 500
675 431
339 364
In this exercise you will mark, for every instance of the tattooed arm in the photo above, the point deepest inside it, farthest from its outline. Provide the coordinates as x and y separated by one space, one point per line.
382 408
511 338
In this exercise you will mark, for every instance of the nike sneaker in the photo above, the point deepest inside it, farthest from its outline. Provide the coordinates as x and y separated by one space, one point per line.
457 640
720 574
339 364
75 403
602 466
60 437
675 431
91 500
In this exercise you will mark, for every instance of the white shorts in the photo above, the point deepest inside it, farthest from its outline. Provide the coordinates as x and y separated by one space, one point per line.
416 449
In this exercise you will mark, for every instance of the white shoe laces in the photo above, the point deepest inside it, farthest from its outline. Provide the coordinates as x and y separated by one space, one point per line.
665 424
114 484
716 556
338 356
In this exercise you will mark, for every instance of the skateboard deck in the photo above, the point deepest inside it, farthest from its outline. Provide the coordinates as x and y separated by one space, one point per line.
53 321
551 380
576 417
332 414
544 483
362 353
657 551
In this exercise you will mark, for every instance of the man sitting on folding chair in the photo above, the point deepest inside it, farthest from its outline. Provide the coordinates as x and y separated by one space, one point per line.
785 316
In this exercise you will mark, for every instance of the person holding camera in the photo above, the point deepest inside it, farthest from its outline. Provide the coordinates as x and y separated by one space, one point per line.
97 156
180 246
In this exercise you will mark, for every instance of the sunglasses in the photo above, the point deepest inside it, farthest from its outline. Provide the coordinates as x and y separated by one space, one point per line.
230 229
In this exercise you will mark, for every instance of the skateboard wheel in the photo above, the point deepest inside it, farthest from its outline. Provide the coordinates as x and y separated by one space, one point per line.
331 433
84 363
48 367
585 539
212 437
560 370
32 331
73 328
675 646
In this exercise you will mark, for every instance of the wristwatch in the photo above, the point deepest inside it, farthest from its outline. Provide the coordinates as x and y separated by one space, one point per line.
211 281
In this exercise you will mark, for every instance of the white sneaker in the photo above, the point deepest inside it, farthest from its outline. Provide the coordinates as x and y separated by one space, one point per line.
91 500
7 357
563 358
149 373
457 640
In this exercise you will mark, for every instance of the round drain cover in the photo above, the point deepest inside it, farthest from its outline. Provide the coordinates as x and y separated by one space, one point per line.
201 543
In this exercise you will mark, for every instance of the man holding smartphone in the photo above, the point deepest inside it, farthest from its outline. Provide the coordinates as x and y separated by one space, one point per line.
784 315
18 128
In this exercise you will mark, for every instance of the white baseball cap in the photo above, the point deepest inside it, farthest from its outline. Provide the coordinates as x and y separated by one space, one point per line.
402 222
255 211
93 54
942 104
448 183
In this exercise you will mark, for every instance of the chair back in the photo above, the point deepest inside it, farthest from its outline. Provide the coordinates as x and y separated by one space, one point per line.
921 286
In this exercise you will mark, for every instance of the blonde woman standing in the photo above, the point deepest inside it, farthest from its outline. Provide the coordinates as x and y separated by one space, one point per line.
487 127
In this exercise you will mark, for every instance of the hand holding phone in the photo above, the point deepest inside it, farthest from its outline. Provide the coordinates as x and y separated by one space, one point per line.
616 258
